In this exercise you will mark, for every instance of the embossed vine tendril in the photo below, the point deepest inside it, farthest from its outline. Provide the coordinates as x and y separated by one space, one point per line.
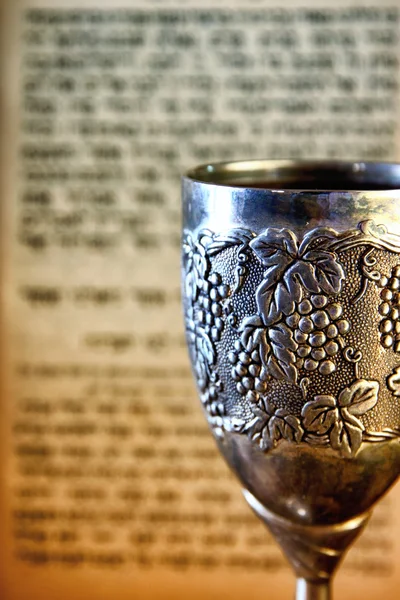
368 274
241 269
235 237
353 356
304 385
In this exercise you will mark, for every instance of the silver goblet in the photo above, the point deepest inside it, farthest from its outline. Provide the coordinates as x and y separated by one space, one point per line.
291 280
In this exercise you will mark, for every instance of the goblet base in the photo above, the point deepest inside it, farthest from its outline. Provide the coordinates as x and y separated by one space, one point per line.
314 552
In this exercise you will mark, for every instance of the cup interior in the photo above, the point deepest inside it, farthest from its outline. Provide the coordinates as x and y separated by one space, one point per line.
301 175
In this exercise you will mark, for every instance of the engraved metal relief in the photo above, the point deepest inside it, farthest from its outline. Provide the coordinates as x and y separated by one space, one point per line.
285 333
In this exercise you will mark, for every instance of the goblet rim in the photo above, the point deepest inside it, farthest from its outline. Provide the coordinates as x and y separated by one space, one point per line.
361 176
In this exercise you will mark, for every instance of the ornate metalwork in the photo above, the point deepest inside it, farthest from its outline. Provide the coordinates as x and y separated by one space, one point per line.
272 316
294 334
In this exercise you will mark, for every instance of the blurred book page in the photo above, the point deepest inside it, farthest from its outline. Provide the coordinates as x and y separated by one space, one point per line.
112 485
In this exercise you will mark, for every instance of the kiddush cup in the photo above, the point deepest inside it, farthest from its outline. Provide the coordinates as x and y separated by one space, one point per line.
291 281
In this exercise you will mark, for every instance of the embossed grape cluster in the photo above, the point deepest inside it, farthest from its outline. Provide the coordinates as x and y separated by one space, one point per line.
389 309
211 310
317 328
210 396
248 372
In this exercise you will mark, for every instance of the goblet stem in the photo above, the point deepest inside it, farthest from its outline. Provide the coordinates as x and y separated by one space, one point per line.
314 552
313 590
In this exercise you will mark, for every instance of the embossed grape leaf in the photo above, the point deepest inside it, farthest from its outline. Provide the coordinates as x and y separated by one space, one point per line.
281 336
289 270
200 263
320 414
275 298
261 414
190 331
253 335
320 237
394 382
249 328
347 417
255 427
187 245
271 425
278 293
202 371
282 285
304 272
191 288
328 271
360 397
191 337
275 246
276 249
284 426
266 407
265 441
197 267
266 303
282 343
293 429
204 346
280 370
234 237
346 438
281 363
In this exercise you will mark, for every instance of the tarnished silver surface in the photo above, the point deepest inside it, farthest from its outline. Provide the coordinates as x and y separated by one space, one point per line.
291 278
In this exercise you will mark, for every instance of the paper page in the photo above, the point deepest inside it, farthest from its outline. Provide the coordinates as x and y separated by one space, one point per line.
112 484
